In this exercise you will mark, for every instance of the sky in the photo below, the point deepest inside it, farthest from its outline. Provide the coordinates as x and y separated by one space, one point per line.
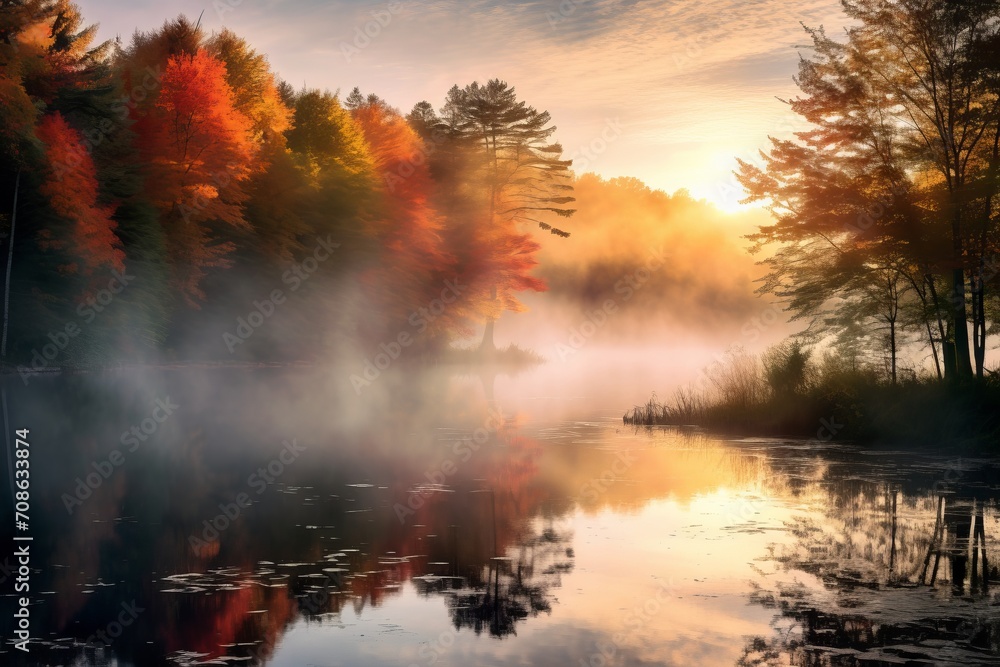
670 92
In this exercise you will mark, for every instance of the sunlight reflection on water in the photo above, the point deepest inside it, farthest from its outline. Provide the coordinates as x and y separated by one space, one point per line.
429 536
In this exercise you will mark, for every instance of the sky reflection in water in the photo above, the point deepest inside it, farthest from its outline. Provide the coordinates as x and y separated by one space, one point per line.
416 531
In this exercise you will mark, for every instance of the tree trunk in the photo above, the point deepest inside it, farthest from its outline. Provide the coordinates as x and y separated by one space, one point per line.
960 326
948 352
978 323
10 261
892 348
930 340
978 282
487 344
929 278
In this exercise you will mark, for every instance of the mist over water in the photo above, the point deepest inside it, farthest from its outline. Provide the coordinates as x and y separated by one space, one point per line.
395 367
457 516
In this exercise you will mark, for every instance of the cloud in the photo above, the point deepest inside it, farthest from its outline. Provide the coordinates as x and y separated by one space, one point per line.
672 72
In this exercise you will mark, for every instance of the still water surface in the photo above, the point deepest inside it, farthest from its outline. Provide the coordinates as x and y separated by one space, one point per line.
275 517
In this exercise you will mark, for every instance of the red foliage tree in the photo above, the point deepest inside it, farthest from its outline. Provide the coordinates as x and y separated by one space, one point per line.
71 189
199 151
414 265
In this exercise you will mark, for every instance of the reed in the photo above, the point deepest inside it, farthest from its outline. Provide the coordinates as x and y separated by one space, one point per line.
832 400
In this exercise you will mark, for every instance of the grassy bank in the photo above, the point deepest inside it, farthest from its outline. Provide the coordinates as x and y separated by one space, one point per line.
784 393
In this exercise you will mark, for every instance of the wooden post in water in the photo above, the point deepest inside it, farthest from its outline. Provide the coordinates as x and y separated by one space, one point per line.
937 553
974 544
493 509
979 539
892 537
961 555
939 544
454 549
934 540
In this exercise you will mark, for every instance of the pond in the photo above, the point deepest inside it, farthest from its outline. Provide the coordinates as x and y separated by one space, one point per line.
274 516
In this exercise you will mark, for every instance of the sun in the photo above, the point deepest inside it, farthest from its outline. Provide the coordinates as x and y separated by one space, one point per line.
719 185
723 194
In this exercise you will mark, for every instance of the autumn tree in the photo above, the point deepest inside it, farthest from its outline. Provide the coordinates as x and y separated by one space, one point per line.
74 183
331 150
423 119
412 264
940 61
517 178
199 152
870 314
277 228
897 172
177 155
22 51
72 191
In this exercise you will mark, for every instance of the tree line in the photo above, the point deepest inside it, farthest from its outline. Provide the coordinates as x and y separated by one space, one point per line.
181 170
885 233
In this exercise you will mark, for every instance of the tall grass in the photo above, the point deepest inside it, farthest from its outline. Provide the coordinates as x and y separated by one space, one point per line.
786 392
650 414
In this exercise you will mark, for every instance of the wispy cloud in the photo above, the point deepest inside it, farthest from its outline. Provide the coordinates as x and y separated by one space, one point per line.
675 73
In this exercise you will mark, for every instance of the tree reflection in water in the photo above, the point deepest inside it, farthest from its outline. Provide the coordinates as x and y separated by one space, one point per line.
884 575
519 585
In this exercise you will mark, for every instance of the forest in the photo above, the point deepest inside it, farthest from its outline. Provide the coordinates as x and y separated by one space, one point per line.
668 330
170 198
883 240
885 224
155 186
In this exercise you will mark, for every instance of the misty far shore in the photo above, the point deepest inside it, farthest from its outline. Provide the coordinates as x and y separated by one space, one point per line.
286 225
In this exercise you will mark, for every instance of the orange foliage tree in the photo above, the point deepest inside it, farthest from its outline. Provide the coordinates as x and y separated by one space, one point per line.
518 178
413 264
276 186
199 152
